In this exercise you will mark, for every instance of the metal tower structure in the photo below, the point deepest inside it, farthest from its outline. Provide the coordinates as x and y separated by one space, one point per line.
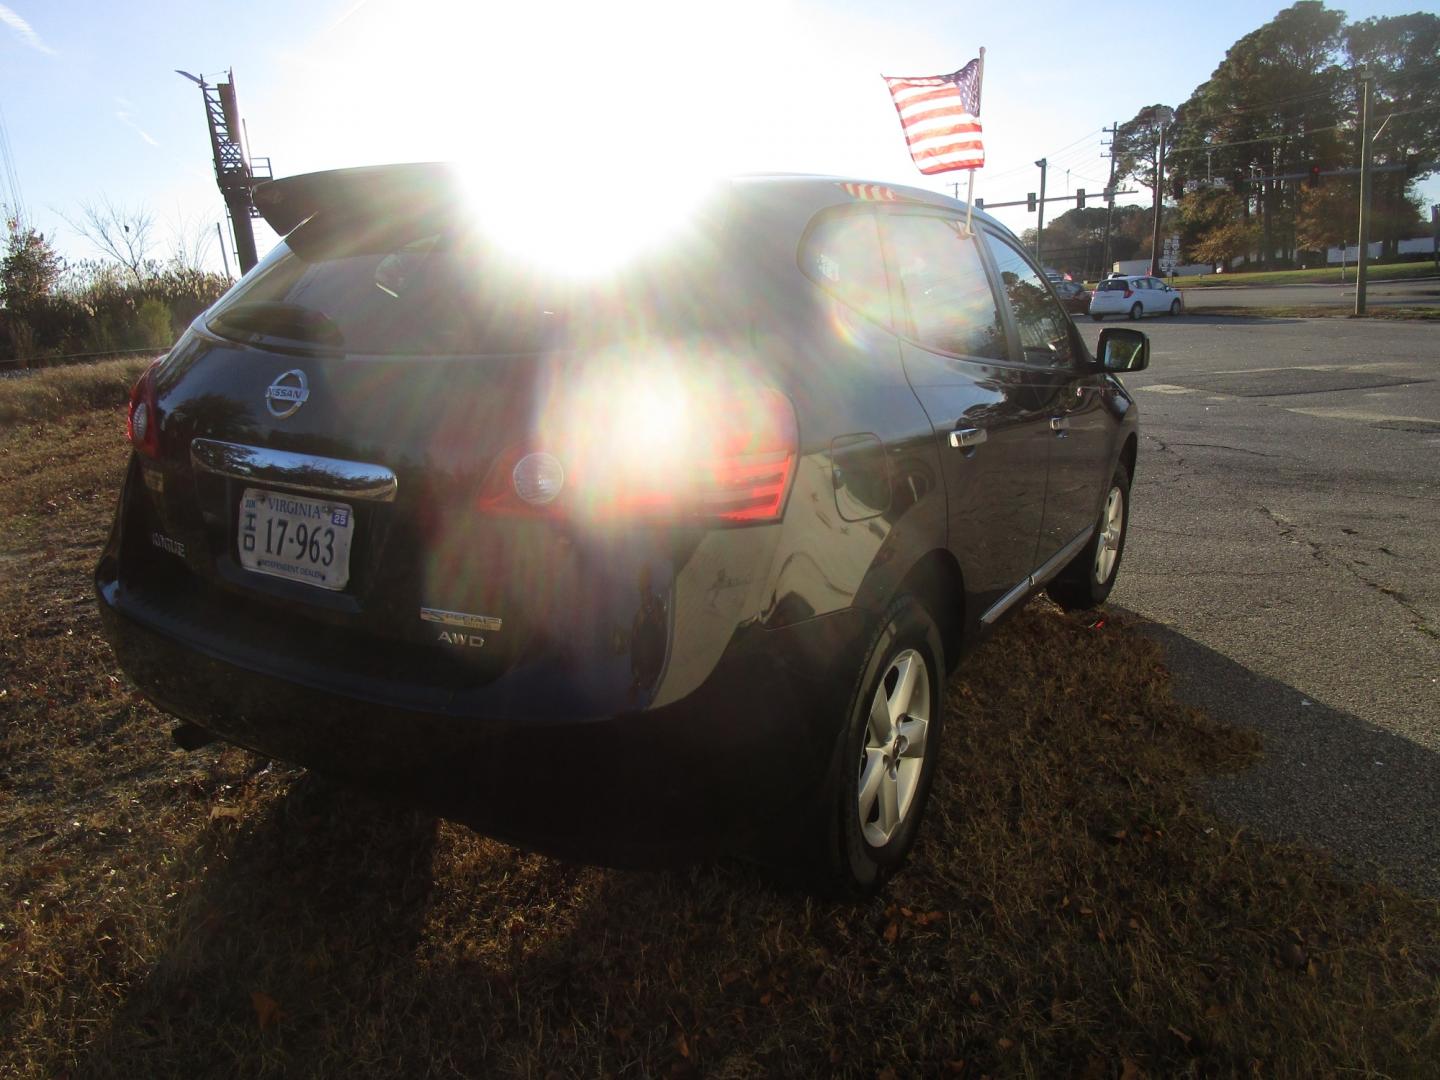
236 172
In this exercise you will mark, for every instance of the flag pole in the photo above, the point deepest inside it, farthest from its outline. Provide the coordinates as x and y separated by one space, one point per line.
970 193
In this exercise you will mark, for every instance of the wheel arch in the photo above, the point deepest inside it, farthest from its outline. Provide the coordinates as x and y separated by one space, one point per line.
1129 452
937 582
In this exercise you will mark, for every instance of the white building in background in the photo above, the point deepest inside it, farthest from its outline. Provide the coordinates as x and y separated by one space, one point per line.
1420 245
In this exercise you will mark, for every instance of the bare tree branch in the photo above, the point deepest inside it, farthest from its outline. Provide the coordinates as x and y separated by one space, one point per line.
122 233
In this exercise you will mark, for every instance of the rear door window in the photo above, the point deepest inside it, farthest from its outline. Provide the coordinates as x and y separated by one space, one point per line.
948 297
1044 327
842 255
429 287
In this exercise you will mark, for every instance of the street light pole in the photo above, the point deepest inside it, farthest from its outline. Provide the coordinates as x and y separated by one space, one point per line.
1363 256
1040 227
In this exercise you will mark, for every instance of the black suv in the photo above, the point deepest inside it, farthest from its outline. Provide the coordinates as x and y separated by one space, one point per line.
666 562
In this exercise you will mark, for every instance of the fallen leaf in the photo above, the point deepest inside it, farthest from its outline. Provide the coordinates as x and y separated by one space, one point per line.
892 932
267 1009
230 813
1184 1038
975 998
682 1044
1129 1070
1005 1044
955 1065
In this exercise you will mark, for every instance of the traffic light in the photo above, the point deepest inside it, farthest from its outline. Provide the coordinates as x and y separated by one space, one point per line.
1030 202
1314 180
1080 198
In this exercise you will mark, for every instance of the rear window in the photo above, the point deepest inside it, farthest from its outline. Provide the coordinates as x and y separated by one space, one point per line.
1113 286
427 287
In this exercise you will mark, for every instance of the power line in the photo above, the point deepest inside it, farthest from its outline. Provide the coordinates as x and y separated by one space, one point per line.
12 178
1290 134
1056 154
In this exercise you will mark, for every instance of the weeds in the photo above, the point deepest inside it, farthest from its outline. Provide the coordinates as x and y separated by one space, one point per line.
57 393
1073 908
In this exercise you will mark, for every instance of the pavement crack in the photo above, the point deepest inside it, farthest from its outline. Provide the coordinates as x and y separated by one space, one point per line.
1222 446
1289 530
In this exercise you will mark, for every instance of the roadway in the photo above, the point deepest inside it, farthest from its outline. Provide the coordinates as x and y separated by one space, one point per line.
1413 293
1283 545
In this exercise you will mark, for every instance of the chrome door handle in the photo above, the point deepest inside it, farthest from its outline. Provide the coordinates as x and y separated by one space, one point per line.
1060 424
967 437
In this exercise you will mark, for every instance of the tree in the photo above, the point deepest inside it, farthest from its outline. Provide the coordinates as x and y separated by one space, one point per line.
29 270
28 273
120 233
1137 142
1270 108
1328 217
1222 244
1403 55
1204 211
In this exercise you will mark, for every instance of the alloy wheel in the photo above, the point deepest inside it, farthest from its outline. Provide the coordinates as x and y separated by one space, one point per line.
1112 528
895 742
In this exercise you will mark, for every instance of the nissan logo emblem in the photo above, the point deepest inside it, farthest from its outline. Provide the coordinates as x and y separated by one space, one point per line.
287 393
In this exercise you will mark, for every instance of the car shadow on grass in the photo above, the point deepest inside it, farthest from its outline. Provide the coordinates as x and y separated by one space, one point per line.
302 900
1070 908
1326 778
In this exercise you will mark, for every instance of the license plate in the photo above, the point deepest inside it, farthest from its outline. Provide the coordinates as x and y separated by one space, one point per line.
296 537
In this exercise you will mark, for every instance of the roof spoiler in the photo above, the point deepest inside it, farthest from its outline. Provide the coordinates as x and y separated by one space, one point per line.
388 191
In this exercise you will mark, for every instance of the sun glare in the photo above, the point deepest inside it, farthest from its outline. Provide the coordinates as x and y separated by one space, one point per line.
586 131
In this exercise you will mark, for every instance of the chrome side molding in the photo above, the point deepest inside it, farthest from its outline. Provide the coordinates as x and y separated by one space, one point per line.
1047 570
300 472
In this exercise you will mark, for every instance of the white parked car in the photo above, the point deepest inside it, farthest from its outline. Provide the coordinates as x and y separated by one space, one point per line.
1136 296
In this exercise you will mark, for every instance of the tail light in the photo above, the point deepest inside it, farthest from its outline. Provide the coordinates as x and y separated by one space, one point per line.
732 463
142 422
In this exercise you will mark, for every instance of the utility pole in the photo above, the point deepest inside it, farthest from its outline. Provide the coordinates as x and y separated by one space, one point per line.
1040 228
1435 234
1367 81
1159 187
1109 200
224 258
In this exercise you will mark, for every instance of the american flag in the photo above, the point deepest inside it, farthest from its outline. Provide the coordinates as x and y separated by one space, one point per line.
941 118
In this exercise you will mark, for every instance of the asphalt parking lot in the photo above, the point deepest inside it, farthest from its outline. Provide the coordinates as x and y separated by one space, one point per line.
1286 523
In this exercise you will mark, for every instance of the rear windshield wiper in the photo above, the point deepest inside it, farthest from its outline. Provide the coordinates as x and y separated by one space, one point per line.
274 319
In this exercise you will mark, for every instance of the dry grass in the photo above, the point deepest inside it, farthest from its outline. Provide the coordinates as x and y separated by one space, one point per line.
58 392
1073 909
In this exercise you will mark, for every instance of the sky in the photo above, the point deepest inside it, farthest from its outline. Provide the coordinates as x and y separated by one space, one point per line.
561 99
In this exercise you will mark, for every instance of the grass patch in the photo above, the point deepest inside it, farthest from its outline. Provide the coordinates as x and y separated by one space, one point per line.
1418 313
56 392
1073 908
1321 276
1331 275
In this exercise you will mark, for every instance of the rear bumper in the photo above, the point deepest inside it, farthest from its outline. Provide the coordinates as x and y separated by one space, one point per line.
732 764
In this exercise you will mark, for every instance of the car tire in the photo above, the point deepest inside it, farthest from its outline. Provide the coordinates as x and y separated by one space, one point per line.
879 784
1174 308
1136 311
1088 578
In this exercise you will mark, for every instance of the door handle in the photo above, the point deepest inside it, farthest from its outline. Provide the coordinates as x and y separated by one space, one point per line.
1059 424
966 437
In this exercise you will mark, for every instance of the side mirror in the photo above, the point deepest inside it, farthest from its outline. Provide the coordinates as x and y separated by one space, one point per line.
1122 349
